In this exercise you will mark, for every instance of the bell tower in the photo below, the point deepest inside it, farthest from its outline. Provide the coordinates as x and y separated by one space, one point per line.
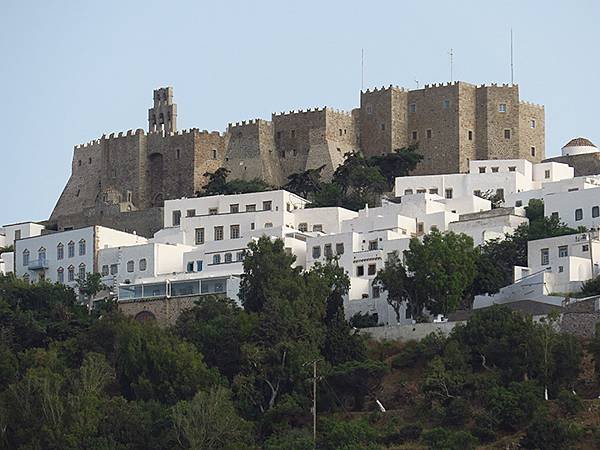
163 116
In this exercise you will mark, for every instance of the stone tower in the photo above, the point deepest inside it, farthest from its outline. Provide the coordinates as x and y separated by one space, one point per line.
163 116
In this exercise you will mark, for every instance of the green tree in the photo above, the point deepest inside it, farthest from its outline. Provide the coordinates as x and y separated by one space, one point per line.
399 163
305 183
218 185
217 182
218 328
443 268
550 434
499 339
290 309
153 364
210 421
399 287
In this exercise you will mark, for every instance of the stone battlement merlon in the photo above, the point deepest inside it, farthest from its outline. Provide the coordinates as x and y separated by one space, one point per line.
300 111
533 105
383 89
249 122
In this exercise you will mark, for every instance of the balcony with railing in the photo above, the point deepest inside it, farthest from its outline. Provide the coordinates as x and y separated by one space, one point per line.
38 264
173 288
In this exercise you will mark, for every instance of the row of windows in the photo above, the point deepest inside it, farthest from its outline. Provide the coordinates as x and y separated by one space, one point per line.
60 273
579 213
371 270
114 268
303 227
563 252
60 252
447 193
233 208
228 258
328 250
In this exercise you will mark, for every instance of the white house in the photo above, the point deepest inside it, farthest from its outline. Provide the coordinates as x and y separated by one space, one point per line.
552 187
7 261
502 177
575 208
488 225
12 232
126 263
67 255
555 266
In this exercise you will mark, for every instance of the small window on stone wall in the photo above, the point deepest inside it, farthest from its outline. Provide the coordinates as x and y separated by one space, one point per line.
177 154
214 154
507 134
532 151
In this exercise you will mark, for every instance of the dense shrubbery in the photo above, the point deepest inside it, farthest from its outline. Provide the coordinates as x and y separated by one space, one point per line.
227 377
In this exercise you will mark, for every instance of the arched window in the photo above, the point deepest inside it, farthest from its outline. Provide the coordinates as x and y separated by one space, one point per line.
216 259
60 275
60 251
42 254
228 257
71 273
71 249
130 266
143 264
25 257
82 247
82 271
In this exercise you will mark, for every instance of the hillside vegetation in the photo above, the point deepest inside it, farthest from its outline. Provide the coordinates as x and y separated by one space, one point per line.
230 378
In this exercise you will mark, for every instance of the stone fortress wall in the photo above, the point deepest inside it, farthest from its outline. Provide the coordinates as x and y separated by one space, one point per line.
126 173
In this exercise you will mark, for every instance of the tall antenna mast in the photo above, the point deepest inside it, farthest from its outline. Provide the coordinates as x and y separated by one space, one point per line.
512 70
362 68
451 66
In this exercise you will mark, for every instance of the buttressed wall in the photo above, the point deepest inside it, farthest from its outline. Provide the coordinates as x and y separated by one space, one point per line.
453 123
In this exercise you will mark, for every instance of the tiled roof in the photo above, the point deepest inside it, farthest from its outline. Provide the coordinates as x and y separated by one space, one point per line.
579 142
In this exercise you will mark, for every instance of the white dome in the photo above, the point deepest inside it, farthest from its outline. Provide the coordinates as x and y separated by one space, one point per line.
579 146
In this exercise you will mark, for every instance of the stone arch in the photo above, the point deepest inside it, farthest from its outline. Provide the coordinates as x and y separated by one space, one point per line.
145 316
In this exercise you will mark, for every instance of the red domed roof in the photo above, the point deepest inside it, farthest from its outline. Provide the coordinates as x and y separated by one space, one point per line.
579 142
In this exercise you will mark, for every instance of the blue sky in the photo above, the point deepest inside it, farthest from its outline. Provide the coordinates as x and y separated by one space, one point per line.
71 71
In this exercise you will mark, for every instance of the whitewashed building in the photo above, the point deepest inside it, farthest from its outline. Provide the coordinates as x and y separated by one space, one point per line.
126 263
576 208
7 262
11 232
488 225
65 256
556 267
501 177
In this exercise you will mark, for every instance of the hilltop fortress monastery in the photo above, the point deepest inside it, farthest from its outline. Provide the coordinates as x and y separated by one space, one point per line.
121 180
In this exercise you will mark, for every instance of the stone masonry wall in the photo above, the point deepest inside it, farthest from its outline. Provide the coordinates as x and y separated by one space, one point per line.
454 123
165 310
581 318
586 164
434 125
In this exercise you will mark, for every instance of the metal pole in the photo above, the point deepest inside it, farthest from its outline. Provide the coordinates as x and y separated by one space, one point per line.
512 78
315 403
451 66
362 68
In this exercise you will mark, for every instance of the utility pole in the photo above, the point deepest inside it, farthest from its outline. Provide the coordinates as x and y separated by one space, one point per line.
314 407
315 402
